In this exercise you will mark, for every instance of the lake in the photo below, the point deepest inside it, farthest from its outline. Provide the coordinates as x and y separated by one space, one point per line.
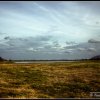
40 61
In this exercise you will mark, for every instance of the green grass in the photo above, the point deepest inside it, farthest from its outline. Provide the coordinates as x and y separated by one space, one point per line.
49 80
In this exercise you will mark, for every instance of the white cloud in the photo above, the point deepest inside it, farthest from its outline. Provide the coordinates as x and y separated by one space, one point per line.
81 49
91 50
92 21
32 49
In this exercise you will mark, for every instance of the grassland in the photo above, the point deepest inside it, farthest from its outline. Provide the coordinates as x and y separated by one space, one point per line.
49 80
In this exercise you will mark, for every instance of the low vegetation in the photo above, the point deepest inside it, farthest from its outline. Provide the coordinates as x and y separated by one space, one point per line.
49 80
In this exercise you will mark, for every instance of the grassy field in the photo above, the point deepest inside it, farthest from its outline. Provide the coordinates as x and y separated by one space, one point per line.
49 80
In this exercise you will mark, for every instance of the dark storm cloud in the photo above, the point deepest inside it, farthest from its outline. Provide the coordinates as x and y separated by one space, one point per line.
85 48
71 42
93 41
7 38
56 44
43 38
17 47
23 44
47 46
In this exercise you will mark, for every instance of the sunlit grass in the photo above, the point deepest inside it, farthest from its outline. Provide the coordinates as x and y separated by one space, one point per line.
49 80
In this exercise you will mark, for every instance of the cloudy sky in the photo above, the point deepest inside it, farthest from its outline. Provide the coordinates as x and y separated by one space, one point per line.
49 29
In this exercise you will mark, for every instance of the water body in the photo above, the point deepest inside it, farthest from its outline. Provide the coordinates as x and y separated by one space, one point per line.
40 61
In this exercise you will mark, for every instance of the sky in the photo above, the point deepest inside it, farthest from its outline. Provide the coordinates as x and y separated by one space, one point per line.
49 29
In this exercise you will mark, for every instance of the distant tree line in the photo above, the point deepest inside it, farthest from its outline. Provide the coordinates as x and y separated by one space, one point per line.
5 60
2 59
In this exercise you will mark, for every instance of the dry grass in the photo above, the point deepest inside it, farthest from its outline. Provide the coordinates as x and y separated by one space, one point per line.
49 80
